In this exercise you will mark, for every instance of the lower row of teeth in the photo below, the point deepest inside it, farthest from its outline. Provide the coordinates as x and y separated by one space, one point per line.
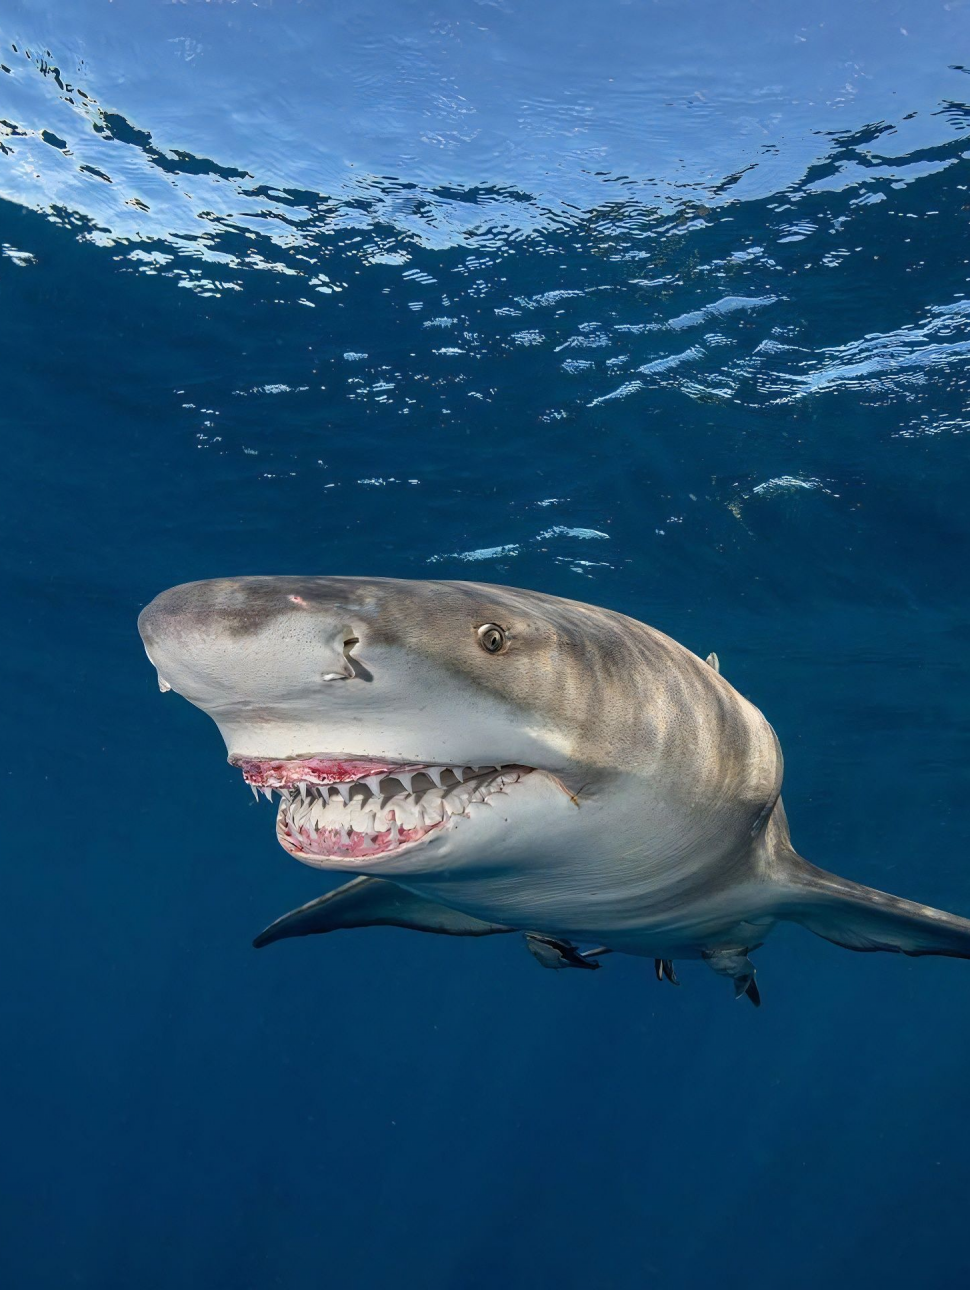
328 814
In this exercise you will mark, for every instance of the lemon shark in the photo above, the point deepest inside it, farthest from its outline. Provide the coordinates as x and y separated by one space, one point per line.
485 760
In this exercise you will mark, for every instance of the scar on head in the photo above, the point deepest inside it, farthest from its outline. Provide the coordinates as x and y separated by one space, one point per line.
297 600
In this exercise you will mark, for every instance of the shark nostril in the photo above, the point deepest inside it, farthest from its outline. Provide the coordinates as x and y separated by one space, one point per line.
350 667
351 641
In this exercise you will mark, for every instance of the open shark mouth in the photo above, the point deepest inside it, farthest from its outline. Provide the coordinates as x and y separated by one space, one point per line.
359 808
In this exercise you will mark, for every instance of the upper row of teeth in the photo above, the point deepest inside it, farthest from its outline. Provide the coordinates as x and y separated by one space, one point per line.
373 782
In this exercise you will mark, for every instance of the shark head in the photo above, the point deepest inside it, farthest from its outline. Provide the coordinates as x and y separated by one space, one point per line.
409 727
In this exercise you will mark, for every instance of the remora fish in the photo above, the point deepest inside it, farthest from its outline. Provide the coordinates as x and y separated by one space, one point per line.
486 760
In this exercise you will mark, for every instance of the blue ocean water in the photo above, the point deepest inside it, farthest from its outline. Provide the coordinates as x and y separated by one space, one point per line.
660 306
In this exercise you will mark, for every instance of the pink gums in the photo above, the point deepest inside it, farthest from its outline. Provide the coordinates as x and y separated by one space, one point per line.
314 770
301 842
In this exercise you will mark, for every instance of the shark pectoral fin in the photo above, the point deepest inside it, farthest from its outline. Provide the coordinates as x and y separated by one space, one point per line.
374 902
860 918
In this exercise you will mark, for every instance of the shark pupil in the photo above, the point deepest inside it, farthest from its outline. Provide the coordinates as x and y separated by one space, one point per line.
491 638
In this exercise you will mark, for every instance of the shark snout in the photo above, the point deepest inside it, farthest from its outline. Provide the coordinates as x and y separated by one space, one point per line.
212 640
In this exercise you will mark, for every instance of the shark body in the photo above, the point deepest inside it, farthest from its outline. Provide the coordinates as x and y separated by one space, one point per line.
485 759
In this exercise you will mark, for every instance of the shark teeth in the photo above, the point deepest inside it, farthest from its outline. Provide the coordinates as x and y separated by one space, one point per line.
383 812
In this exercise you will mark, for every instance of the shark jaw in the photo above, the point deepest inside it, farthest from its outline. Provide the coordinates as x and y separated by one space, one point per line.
338 810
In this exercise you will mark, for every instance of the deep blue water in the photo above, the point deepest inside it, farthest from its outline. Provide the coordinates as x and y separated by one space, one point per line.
661 306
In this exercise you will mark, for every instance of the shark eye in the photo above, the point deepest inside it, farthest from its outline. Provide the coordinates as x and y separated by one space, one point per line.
492 638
